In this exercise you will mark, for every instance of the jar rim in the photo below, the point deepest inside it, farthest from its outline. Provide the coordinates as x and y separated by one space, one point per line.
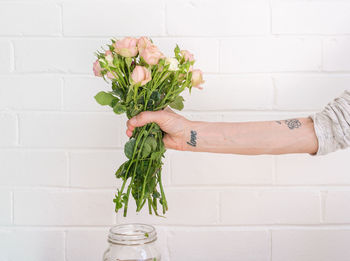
132 234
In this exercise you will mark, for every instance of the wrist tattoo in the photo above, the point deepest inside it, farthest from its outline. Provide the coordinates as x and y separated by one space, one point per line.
293 123
279 122
193 141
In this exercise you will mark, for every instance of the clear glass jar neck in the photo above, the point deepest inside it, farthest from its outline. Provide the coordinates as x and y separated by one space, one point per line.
132 234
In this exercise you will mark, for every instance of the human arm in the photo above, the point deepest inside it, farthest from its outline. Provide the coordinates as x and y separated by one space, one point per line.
252 138
249 138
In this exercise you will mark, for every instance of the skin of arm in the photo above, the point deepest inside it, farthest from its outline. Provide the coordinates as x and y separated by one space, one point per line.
253 138
247 138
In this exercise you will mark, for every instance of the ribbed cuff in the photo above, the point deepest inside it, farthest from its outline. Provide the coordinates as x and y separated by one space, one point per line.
320 138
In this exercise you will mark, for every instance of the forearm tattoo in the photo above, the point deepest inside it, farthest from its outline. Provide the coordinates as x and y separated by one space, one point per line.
292 123
193 141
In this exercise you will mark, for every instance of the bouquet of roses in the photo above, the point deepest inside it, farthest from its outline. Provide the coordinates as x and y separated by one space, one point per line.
143 79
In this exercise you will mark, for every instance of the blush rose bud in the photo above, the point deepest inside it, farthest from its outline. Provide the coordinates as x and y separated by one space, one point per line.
110 75
109 58
143 43
97 68
151 55
187 55
197 78
126 47
141 75
174 63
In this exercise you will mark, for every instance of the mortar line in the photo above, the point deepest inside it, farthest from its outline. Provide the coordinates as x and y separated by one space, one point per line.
270 235
60 6
12 207
12 57
63 85
271 27
237 227
68 168
65 245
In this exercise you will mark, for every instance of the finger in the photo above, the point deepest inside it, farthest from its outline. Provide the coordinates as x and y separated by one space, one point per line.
146 117
128 133
130 127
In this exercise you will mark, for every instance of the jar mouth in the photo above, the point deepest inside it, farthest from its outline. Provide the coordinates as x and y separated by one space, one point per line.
132 234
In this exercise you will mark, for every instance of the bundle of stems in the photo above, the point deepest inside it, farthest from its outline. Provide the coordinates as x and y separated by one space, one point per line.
139 84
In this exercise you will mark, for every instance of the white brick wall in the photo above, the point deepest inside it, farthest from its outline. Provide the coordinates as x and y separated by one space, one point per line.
310 244
263 60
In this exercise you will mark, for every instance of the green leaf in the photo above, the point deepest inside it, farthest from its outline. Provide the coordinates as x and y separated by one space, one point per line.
155 155
121 170
129 148
104 98
146 150
119 108
151 141
177 50
177 104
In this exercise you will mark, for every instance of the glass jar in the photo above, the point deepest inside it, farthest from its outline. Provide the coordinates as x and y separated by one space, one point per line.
132 242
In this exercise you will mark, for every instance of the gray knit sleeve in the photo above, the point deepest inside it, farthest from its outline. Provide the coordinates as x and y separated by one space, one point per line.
332 125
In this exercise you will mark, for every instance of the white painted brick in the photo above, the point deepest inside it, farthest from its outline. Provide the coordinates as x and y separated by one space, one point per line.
30 92
231 93
310 17
8 127
205 50
186 207
31 245
63 208
270 54
270 207
336 56
310 245
223 169
305 169
202 116
33 168
261 116
337 208
147 18
222 18
63 55
86 245
6 207
69 130
298 92
95 168
5 56
79 93
218 244
29 19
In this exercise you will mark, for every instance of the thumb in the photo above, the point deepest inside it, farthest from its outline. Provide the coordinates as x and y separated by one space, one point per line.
146 117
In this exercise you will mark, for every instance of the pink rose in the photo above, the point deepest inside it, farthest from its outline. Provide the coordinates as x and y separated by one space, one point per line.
197 78
109 58
143 43
110 75
141 75
187 55
126 47
151 54
97 68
